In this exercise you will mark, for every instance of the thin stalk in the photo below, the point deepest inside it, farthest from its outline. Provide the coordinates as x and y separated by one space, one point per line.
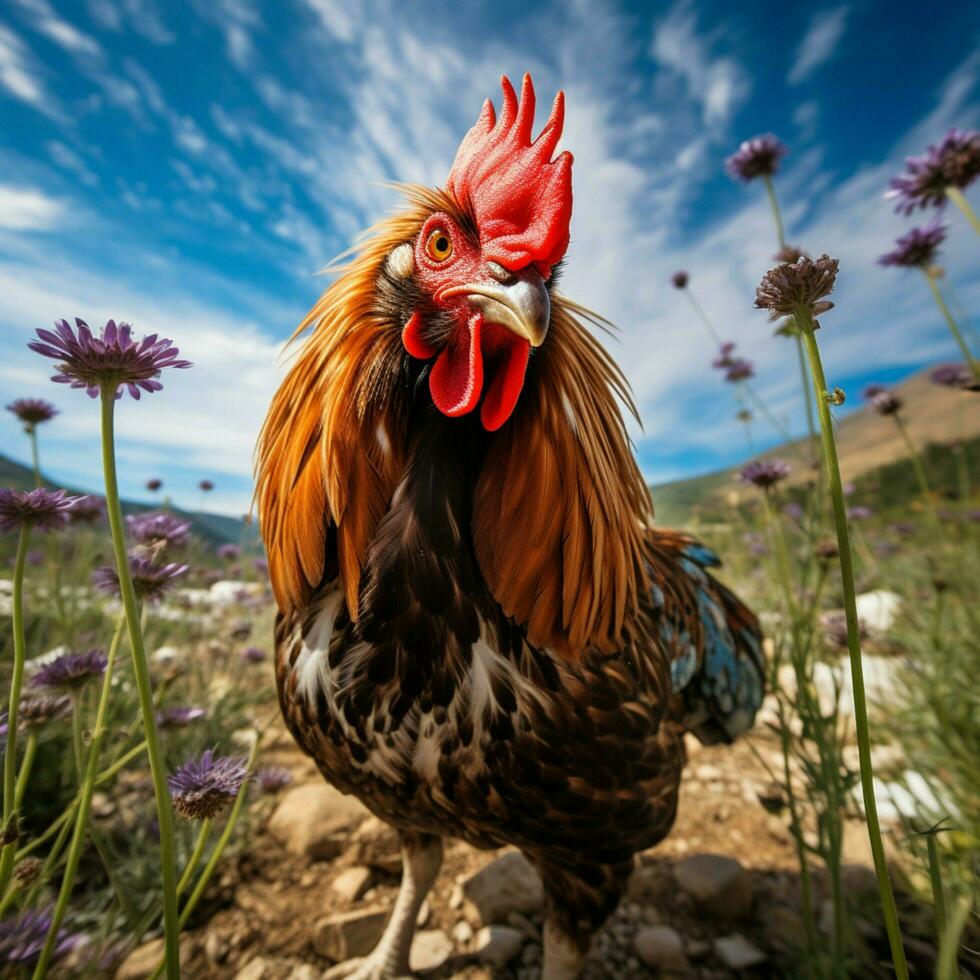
16 682
776 213
920 473
141 672
889 910
761 405
27 762
936 880
86 789
219 849
959 199
951 323
76 733
35 459
195 859
702 316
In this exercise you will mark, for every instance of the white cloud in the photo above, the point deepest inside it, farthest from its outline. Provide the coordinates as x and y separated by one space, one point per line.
66 158
28 209
46 21
819 44
21 76
141 15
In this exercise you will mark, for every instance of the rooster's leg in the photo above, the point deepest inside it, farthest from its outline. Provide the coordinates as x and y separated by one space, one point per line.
421 858
563 956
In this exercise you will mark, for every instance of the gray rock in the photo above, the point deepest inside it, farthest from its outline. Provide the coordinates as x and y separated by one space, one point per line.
314 820
660 947
498 945
508 884
349 934
351 883
430 950
737 953
717 883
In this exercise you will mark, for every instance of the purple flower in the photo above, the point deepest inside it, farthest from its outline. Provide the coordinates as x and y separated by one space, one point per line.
797 285
680 279
86 510
835 629
918 247
202 788
793 511
271 779
765 473
150 581
45 510
757 157
253 655
228 551
954 375
36 712
158 528
154 485
32 411
724 358
739 369
206 485
178 717
883 400
260 565
22 937
70 671
859 513
110 360
902 528
953 163
789 254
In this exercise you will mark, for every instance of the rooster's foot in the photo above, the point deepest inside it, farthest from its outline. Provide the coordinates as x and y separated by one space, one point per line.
364 968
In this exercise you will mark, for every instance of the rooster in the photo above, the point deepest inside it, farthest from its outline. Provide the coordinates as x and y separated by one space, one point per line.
480 635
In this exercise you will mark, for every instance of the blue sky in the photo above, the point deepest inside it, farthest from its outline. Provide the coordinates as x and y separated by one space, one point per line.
191 166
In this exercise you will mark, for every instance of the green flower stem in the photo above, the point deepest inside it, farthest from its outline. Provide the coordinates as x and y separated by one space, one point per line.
219 848
951 323
936 880
76 733
141 672
702 316
195 859
761 405
86 789
959 199
35 459
776 213
920 473
16 682
30 748
805 322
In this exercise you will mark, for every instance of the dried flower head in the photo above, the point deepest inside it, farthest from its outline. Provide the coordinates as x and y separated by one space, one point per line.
111 360
253 655
799 285
22 938
158 528
790 253
44 510
955 162
739 369
835 629
827 549
680 279
32 411
70 671
86 509
178 716
151 581
724 358
28 869
206 485
36 712
955 375
743 415
154 485
916 248
883 400
271 779
765 473
757 157
204 787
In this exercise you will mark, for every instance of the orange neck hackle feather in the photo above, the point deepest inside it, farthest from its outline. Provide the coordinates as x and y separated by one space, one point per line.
560 505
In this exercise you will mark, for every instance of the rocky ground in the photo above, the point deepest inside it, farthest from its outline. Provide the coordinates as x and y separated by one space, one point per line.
319 875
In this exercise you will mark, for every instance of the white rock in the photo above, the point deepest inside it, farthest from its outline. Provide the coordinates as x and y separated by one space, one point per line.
508 884
349 934
430 950
314 820
462 932
911 796
351 883
165 655
660 947
498 945
258 969
878 609
737 953
304 971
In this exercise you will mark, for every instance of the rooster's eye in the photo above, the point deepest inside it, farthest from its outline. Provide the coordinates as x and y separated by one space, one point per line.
439 245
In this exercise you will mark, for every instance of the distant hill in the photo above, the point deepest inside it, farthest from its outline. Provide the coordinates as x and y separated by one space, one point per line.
214 528
866 441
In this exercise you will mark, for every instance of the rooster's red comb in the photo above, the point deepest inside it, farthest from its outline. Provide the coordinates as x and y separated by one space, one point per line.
522 199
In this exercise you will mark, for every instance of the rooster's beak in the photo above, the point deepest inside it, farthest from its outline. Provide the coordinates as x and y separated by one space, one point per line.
518 301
